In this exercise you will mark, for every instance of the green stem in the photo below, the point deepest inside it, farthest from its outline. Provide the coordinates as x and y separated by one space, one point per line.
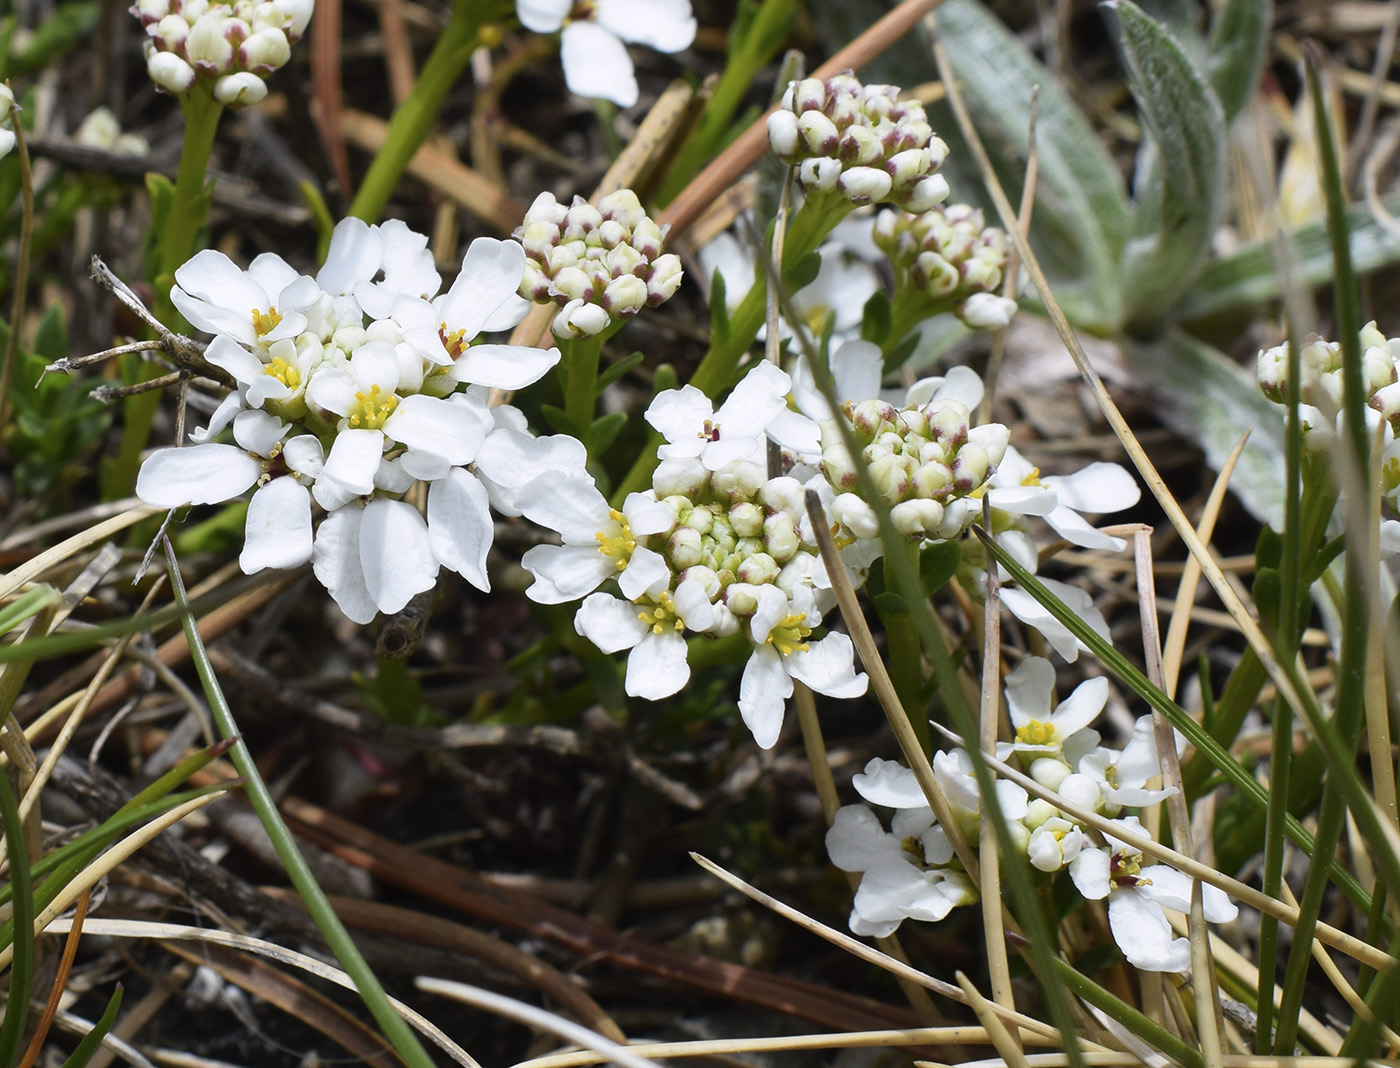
405 1042
189 205
413 120
22 969
579 363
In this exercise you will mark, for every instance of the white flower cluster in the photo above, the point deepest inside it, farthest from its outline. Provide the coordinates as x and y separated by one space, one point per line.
596 63
714 548
951 256
356 390
861 141
600 265
911 872
234 46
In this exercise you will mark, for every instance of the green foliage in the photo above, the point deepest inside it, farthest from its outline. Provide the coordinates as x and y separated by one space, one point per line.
56 423
56 36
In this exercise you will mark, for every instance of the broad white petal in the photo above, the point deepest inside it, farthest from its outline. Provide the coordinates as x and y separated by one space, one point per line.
196 474
225 353
336 562
647 574
763 693
1143 934
760 395
1081 707
657 667
665 25
354 256
395 553
567 503
503 366
609 622
596 64
353 460
491 273
856 841
1100 487
439 426
459 525
278 530
1075 529
828 667
565 572
1028 690
680 416
543 16
856 366
889 783
258 431
511 459
1089 871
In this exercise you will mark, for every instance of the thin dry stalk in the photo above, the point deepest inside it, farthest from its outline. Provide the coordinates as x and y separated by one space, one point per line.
1002 1039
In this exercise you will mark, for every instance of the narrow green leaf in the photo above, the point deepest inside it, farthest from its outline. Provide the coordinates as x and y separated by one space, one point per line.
25 605
617 369
1239 39
604 432
1180 202
22 917
92 1041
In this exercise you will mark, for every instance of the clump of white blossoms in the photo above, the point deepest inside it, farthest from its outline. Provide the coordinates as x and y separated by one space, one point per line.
232 47
377 420
593 45
601 264
927 462
911 871
947 259
860 141
714 548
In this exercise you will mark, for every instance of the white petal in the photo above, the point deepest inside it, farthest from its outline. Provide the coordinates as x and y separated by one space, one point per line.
565 572
1076 530
543 16
258 431
889 783
1081 707
609 622
647 574
491 273
336 562
1028 691
596 64
763 693
1100 487
223 415
439 426
504 366
459 525
758 397
665 25
395 553
1143 934
278 530
1089 871
568 504
225 353
353 460
827 666
303 454
354 256
417 464
657 667
646 515
273 273
680 416
197 474
331 389
856 841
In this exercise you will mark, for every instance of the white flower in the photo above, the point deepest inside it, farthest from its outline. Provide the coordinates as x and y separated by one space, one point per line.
596 63
407 267
481 300
1101 487
653 628
1028 694
263 304
599 542
1137 897
693 428
7 110
778 629
278 526
1121 777
893 887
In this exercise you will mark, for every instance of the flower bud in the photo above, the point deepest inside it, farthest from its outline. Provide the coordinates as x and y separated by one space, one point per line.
206 49
759 569
170 72
818 133
917 518
685 548
624 297
947 420
746 518
987 311
819 174
780 537
572 283
932 480
783 134
298 16
891 475
171 33
859 146
855 515
666 276
240 90
580 319
970 467
680 478
1038 811
624 259
993 438
864 185
1049 772
264 51
1080 790
737 481
742 599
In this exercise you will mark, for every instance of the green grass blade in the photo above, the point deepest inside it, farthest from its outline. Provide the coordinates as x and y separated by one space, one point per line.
22 916
92 1041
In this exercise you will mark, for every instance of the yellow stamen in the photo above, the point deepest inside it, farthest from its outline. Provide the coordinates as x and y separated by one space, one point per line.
662 615
286 373
789 635
1036 733
454 341
1032 479
264 322
619 545
371 409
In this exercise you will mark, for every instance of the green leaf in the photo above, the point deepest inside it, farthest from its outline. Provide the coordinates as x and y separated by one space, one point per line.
92 1041
57 35
937 564
604 432
804 271
51 339
875 318
1249 277
1081 218
559 420
617 369
26 605
1239 40
719 310
1181 200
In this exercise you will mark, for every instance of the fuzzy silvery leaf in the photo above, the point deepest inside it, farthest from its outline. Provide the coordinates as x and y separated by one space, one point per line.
1239 36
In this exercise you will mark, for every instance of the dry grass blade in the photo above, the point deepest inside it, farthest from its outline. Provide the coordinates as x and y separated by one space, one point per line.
294 998
60 982
1232 1060
531 1016
864 952
270 950
1002 1039
31 570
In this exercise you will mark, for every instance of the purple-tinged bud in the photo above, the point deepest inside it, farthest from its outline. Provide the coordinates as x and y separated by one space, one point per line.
298 14
746 519
685 548
927 193
648 238
679 478
170 34
783 134
611 234
582 219
855 515
240 90
808 95
558 257
821 174
759 569
737 481
932 273
781 537
932 480
981 273
580 319
864 185
170 72
917 518
206 49
666 276
1271 368
624 297
870 418
818 133
572 283
265 51
534 286
991 438
624 259
947 421
892 477
860 146
1386 400
150 11
235 32
970 467
622 205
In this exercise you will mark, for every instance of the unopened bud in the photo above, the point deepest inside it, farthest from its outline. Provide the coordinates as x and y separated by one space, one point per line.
666 276
760 569
864 185
170 72
240 90
580 319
